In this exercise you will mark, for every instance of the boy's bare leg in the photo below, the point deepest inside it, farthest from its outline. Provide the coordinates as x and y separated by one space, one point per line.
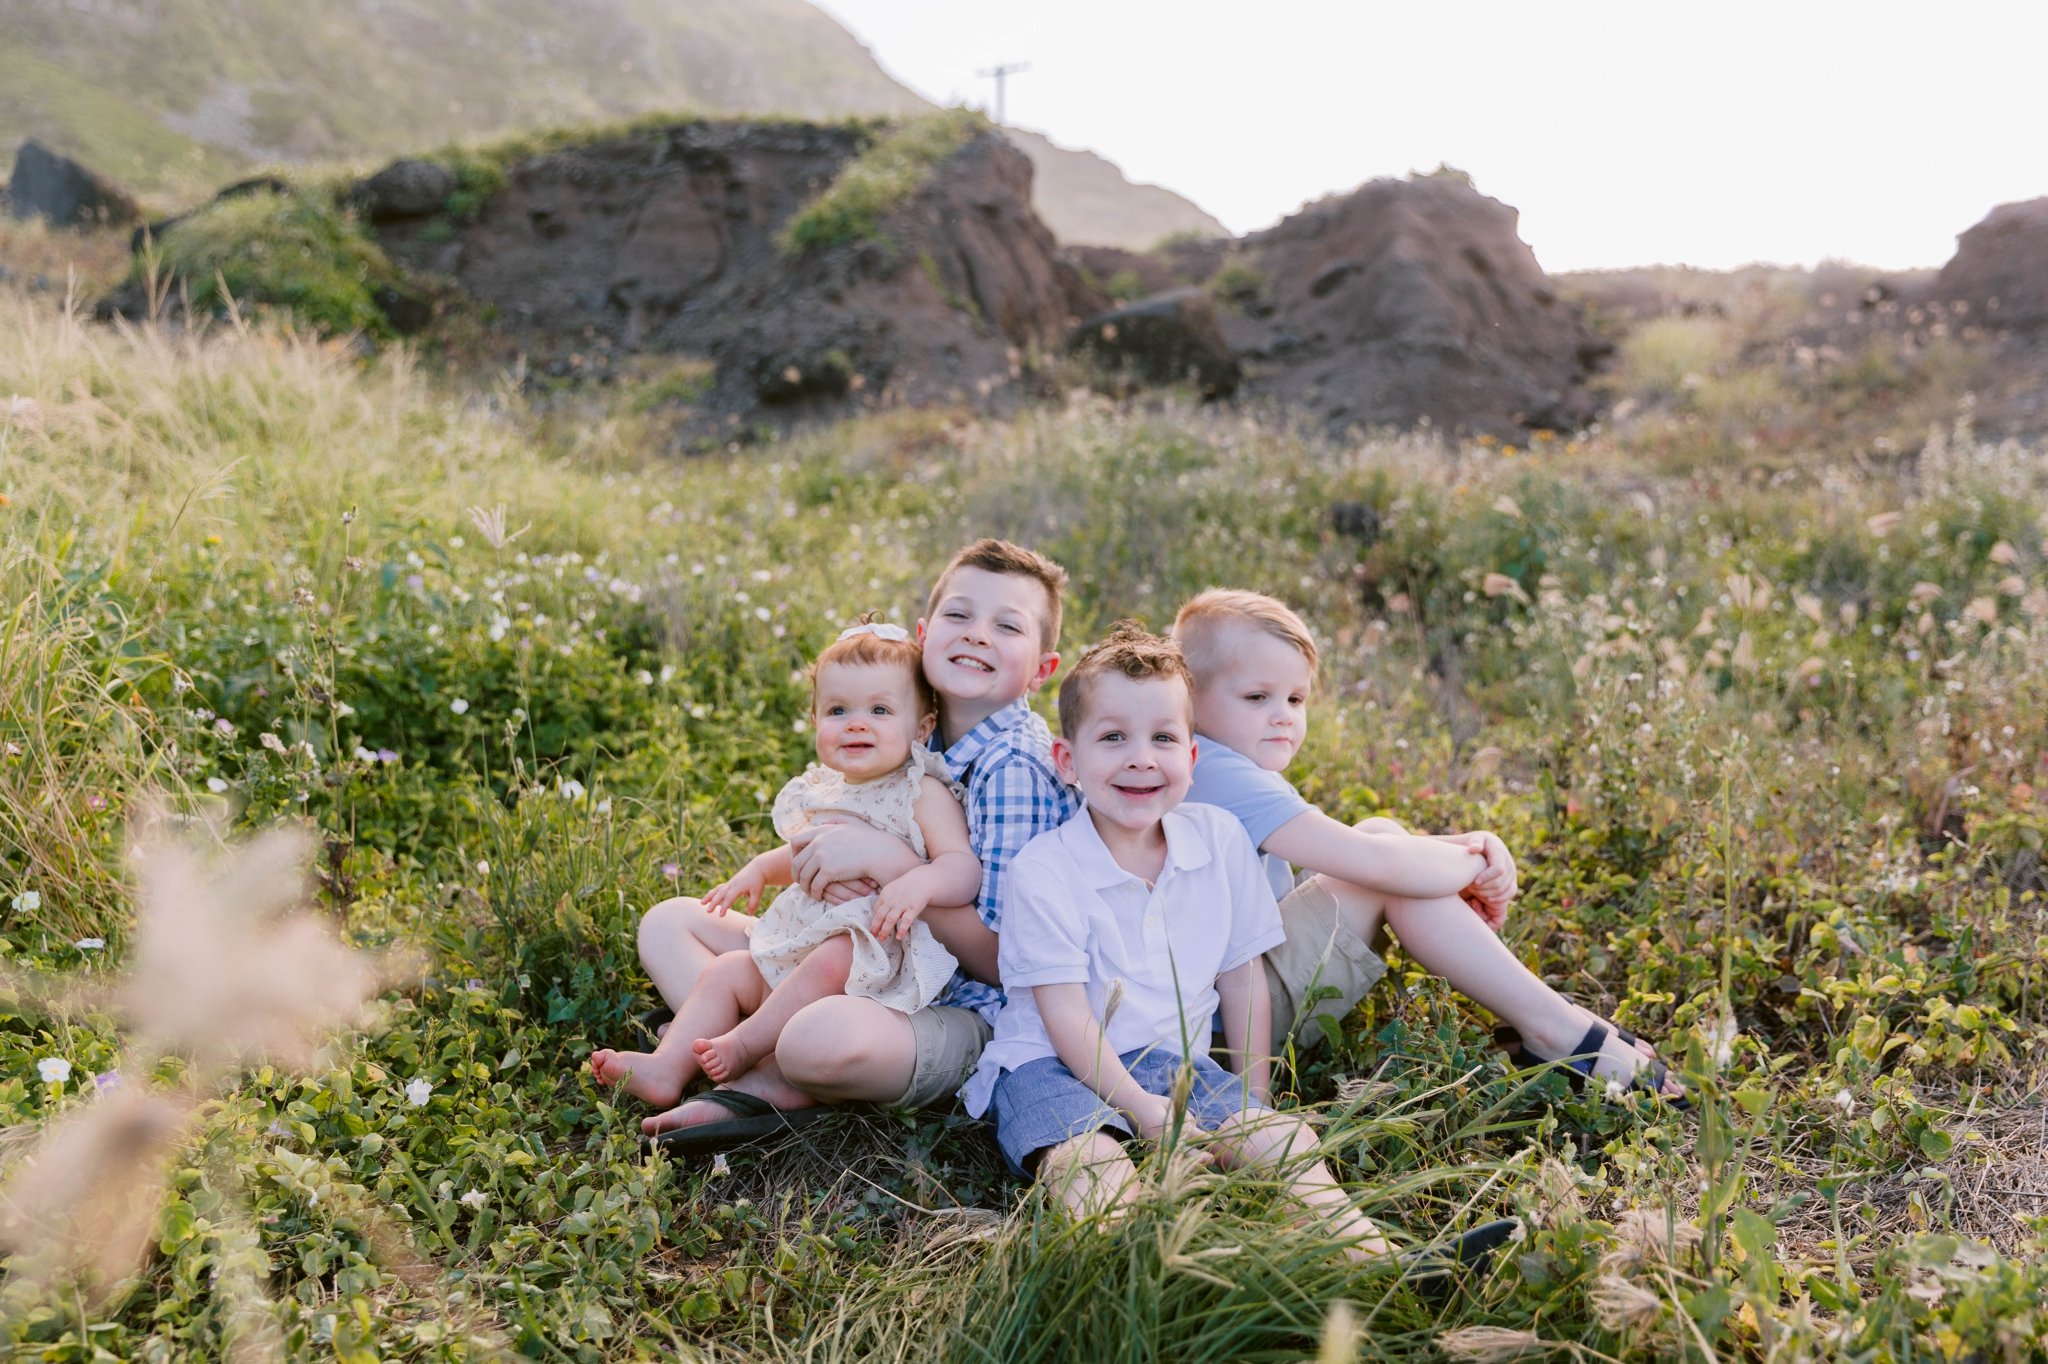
731 1054
679 939
972 942
845 1049
727 989
1286 1146
1091 1175
1447 939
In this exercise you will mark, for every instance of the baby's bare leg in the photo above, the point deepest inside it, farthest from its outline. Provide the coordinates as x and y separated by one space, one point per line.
680 939
1287 1146
734 1052
725 990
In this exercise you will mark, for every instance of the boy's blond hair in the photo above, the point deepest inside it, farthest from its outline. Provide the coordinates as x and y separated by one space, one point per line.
1202 622
1129 649
864 649
1000 556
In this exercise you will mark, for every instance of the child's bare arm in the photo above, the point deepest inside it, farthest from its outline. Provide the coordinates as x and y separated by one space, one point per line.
1413 868
744 890
1247 1010
952 877
1078 1039
840 859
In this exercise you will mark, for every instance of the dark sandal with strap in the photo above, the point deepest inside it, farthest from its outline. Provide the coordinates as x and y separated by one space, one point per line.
1434 1271
1579 1066
754 1120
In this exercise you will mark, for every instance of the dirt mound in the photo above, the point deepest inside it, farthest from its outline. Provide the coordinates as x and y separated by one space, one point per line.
2000 269
1406 300
666 240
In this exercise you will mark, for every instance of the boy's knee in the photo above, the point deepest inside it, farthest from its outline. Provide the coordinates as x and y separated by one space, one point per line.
1089 1172
1380 824
825 1039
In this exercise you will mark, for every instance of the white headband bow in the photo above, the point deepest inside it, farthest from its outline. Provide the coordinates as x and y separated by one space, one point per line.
895 634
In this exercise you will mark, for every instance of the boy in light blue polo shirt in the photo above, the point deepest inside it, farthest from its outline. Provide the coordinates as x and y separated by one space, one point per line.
1445 898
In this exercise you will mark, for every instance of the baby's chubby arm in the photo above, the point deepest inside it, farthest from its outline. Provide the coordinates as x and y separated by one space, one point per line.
1413 868
1247 1009
744 890
841 858
952 877
1078 1039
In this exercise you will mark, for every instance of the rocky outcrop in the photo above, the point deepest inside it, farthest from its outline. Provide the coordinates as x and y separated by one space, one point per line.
1169 338
65 193
665 240
407 188
1408 300
2000 270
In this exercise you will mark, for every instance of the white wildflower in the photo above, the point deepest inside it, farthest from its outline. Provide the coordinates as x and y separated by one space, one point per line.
572 789
475 1198
90 944
54 1070
28 902
417 1092
483 868
216 785
271 742
460 705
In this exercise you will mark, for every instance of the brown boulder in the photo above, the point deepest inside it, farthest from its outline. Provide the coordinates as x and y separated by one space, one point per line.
56 188
1408 300
2000 269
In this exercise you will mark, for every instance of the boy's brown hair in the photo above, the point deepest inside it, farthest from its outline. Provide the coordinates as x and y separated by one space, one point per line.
1000 556
1129 649
862 645
1200 624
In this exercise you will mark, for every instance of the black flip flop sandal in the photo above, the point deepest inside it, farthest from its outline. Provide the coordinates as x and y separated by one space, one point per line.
1577 1068
1434 1271
754 1120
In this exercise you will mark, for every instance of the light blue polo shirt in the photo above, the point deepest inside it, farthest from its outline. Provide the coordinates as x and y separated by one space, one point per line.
1262 801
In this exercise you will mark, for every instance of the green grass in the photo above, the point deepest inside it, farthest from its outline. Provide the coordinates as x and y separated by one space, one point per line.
297 251
1766 741
880 180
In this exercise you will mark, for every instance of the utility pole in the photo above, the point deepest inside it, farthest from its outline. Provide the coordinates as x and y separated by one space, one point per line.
999 74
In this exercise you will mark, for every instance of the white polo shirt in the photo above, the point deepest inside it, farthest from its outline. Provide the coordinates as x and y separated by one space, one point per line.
1074 917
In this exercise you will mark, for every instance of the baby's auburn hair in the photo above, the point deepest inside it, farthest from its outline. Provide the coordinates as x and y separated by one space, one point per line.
1129 649
1202 623
861 648
1000 556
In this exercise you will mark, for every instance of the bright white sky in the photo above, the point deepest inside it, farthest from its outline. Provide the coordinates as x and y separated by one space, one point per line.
1708 134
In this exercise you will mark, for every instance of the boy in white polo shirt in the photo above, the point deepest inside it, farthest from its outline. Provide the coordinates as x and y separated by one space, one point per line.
1129 928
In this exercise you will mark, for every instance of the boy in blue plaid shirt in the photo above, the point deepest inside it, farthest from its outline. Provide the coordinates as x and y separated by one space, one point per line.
990 638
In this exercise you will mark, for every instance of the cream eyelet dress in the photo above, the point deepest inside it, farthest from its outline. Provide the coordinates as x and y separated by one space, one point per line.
905 975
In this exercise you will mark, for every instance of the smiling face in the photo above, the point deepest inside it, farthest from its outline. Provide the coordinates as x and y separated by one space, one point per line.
1257 701
1133 752
982 644
867 718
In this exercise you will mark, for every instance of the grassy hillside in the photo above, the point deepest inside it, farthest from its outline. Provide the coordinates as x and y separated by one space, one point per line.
169 96
175 98
1768 739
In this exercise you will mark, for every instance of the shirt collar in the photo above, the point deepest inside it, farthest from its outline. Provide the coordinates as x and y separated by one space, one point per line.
1185 849
977 741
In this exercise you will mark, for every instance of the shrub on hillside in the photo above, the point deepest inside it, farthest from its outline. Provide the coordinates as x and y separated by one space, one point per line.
879 180
296 251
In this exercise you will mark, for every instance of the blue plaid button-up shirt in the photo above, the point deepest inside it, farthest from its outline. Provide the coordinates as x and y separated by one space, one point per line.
1013 795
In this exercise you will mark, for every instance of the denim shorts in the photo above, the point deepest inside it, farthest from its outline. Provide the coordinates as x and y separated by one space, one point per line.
1041 1103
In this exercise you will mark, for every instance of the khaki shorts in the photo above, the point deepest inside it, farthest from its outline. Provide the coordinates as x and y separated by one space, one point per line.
1323 969
949 1043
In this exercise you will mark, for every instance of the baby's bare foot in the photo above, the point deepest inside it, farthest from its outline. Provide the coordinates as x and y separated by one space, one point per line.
725 1057
648 1076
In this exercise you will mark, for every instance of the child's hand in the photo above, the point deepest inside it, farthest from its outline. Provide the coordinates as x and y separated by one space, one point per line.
743 892
1495 887
831 859
897 908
